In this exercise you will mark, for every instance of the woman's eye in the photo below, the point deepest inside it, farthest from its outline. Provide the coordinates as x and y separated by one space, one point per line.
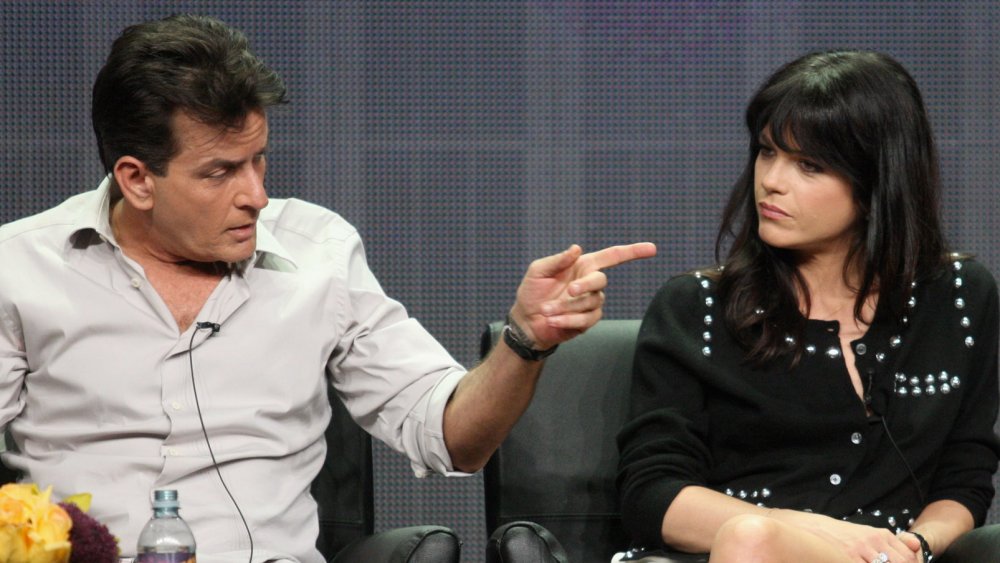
810 166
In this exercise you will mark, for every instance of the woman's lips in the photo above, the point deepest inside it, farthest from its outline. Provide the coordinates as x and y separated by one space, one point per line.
772 211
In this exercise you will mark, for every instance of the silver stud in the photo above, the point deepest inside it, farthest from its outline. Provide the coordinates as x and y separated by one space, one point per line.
902 392
758 311
931 390
895 341
789 339
906 511
965 322
706 336
810 349
945 388
959 303
697 275
892 520
914 381
910 522
912 302
880 356
742 494
917 391
958 282
900 377
877 513
906 320
765 492
929 379
833 353
755 494
709 301
957 265
706 351
970 342
705 284
943 376
730 492
708 320
955 382
856 438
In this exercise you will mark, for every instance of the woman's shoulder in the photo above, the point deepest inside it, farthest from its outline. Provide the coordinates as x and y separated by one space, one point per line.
963 272
690 283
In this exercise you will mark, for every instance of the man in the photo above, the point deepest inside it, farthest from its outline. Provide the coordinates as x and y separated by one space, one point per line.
175 315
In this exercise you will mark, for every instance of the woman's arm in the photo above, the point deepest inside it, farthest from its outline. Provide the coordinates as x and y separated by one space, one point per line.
694 518
940 523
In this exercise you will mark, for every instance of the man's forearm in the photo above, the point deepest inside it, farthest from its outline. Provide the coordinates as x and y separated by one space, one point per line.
486 405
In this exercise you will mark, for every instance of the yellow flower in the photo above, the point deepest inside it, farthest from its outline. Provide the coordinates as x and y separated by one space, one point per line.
32 528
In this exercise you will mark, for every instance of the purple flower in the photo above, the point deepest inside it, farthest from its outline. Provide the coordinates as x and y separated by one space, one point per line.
91 540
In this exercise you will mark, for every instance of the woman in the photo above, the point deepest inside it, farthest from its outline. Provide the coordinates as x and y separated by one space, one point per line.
828 394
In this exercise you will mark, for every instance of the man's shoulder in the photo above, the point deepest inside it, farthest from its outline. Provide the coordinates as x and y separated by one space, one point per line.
63 217
295 218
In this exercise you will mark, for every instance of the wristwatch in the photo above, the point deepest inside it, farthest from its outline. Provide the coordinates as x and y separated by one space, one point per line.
518 341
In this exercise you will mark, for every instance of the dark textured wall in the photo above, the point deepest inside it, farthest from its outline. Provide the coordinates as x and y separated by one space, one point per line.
465 138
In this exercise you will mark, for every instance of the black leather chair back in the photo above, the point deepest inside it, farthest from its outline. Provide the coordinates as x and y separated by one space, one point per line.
557 467
344 488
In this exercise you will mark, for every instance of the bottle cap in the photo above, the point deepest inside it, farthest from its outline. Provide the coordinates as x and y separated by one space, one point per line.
165 498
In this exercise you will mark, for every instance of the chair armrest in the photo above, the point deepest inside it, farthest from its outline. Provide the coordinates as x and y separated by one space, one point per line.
525 542
414 544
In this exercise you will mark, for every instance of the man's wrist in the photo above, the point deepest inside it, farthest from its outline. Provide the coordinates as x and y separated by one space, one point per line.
522 345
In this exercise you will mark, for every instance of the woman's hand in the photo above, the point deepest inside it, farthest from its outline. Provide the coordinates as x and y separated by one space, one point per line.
860 542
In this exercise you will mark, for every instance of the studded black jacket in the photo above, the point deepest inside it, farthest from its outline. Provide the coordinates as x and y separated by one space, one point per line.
802 438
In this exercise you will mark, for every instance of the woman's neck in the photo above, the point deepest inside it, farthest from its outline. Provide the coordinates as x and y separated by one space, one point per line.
833 290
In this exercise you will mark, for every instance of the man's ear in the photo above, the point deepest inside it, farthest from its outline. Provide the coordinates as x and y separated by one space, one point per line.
136 182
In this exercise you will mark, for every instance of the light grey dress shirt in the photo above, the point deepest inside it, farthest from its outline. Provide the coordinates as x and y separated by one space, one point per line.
96 388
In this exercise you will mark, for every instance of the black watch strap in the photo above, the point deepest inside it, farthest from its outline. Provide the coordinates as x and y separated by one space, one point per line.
518 341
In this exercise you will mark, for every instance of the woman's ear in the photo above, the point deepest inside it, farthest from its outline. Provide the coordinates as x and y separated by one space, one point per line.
135 181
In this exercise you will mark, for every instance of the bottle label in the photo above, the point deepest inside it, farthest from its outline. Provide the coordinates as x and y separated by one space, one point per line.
165 558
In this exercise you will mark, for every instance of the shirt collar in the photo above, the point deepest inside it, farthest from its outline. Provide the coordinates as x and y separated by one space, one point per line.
95 215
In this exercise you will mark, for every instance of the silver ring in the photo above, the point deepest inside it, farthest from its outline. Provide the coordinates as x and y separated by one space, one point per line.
882 557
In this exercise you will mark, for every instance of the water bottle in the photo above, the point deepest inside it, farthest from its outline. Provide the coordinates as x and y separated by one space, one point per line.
166 538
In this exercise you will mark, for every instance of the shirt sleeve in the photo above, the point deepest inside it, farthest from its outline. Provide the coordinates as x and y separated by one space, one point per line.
662 445
968 459
392 375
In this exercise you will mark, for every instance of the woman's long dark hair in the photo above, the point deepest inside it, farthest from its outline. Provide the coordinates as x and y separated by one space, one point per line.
861 115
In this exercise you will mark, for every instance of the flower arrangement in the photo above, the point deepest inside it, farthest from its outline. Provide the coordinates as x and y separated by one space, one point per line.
33 529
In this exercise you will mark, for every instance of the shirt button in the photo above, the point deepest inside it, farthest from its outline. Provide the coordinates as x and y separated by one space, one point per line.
136 283
856 438
177 406
834 479
860 349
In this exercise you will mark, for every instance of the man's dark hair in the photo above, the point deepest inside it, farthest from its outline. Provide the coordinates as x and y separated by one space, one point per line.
189 63
859 114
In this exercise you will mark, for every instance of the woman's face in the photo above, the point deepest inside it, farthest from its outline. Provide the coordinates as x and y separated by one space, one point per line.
801 204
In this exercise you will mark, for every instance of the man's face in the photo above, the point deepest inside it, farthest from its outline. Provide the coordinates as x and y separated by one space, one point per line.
205 206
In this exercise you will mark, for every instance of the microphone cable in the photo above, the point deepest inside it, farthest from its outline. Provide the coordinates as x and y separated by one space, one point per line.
214 327
913 476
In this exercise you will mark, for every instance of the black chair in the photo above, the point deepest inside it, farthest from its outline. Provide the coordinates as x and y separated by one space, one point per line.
550 490
344 492
550 487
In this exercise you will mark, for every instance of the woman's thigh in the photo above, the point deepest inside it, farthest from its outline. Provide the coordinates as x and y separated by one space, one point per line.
981 545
